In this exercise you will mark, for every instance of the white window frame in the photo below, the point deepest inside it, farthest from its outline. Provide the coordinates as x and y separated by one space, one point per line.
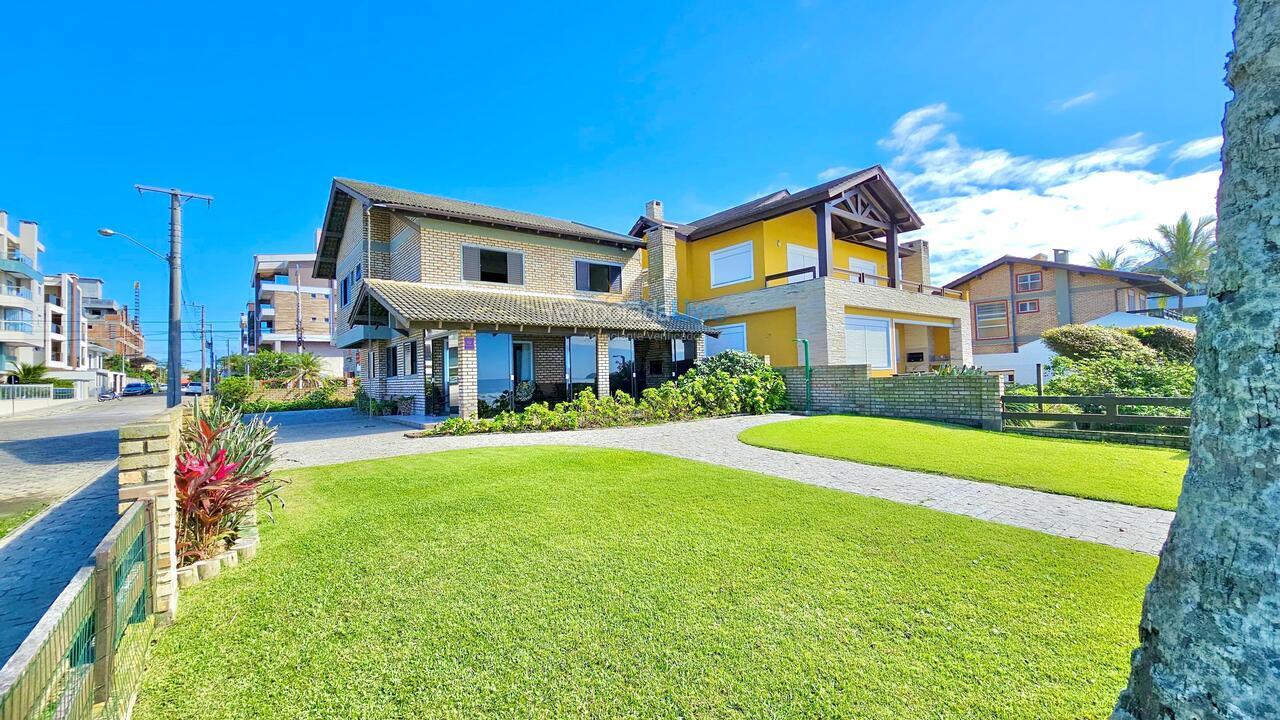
750 246
807 251
859 265
1017 281
891 345
731 326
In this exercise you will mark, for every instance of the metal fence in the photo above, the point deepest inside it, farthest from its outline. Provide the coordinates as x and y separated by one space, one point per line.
84 659
26 392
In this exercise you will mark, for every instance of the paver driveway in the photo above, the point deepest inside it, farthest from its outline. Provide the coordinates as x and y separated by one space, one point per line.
43 458
339 436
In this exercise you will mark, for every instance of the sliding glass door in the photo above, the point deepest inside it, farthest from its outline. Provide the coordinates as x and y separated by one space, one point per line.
494 376
622 365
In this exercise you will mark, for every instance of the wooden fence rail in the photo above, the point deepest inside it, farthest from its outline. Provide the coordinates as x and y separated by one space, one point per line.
1111 406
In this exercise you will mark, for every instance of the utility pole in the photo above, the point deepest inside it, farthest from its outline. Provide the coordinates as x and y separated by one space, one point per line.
204 380
297 317
176 199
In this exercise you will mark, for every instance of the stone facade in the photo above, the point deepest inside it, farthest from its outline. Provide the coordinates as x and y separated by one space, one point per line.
821 305
602 365
148 455
966 400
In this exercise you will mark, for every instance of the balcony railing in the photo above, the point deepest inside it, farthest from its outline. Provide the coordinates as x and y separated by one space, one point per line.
15 255
21 326
53 299
12 291
866 278
55 328
1158 313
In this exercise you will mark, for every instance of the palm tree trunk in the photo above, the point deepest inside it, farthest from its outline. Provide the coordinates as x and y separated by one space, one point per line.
1210 632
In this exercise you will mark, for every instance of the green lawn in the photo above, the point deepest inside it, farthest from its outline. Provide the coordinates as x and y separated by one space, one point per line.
1149 477
574 582
11 518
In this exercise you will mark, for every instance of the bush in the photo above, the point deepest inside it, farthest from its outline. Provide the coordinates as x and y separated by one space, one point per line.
1085 342
733 362
1170 343
234 390
1119 376
223 471
708 390
311 401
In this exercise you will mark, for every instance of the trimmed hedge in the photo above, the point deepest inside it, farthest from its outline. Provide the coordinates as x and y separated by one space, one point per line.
1172 344
1087 342
704 391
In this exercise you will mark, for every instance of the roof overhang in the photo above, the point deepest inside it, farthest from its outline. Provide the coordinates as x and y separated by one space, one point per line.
1142 280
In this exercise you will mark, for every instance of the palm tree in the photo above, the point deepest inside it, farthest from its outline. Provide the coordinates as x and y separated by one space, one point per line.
1114 260
306 370
1183 250
31 374
1207 639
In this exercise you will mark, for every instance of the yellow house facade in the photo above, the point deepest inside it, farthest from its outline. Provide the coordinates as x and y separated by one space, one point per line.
813 268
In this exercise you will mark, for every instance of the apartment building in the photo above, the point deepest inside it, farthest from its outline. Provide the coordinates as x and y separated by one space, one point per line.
472 309
111 324
66 343
1014 300
292 309
21 294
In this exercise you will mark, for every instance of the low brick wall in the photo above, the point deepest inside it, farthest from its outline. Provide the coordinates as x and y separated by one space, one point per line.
1179 442
148 455
967 400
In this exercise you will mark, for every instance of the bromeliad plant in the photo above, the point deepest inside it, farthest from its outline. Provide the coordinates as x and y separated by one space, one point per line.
223 472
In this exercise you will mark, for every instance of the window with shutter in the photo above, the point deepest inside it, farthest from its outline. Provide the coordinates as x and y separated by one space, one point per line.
597 276
867 342
495 266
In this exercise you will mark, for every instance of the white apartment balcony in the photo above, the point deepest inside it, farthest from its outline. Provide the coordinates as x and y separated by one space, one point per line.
266 311
20 332
13 296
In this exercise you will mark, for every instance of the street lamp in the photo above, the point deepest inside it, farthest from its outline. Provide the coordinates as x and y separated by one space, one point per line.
174 380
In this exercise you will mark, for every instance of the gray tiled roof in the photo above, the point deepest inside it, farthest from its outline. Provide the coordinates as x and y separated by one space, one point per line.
416 302
449 208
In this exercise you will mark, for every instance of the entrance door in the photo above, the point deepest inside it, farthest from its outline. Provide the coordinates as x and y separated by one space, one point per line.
622 365
800 257
451 374
522 366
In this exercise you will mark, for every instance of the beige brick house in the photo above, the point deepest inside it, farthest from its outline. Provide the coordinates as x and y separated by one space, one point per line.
469 309
1014 300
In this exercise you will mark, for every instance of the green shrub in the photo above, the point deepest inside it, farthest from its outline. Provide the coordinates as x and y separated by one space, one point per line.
311 401
234 390
1172 344
708 390
1120 376
1086 342
733 362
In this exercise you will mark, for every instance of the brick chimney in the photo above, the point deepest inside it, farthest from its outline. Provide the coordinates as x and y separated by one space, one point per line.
653 210
1061 256
661 239
915 268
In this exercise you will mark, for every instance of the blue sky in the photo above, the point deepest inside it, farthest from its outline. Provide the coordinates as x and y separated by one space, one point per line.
1013 126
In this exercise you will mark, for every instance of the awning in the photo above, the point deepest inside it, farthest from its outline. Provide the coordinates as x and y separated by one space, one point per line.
412 304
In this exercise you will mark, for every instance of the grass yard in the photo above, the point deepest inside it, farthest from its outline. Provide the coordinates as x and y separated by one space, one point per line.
1148 477
575 582
12 517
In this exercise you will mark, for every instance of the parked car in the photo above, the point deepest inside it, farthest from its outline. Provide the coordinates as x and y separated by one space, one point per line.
137 389
193 388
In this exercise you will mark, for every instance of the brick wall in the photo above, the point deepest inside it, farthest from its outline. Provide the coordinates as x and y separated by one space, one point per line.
849 389
548 262
148 451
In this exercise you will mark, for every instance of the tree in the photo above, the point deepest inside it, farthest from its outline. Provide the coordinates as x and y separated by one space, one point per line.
1210 631
1183 250
31 374
306 370
1114 260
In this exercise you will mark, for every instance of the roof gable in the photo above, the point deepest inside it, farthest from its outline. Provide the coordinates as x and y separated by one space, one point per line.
1133 278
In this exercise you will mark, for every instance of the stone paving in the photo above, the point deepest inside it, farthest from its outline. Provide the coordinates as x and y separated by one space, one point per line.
44 457
338 436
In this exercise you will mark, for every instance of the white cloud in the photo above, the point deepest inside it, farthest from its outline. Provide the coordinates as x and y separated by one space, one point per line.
1071 102
1204 147
832 173
980 203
